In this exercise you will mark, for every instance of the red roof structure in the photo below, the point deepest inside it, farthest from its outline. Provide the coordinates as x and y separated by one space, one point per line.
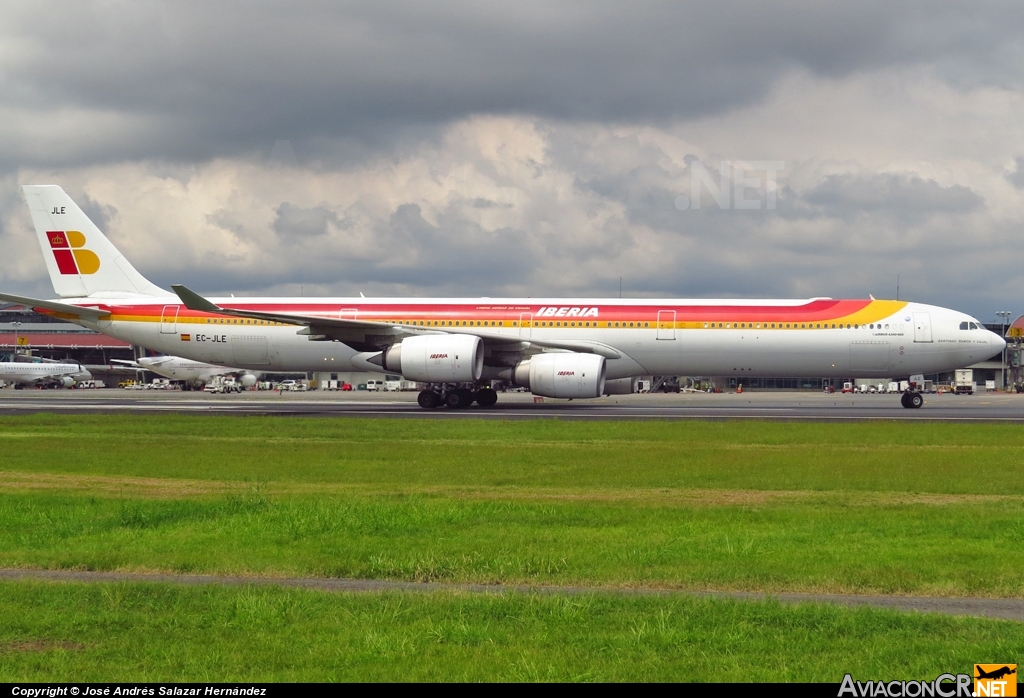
1016 328
60 340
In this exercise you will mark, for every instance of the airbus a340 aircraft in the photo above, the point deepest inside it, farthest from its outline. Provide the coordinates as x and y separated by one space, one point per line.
556 347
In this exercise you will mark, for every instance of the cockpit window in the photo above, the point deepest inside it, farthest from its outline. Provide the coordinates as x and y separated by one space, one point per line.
974 325
963 325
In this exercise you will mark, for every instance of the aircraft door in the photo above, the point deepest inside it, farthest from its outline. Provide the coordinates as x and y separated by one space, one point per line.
922 327
169 319
525 324
666 324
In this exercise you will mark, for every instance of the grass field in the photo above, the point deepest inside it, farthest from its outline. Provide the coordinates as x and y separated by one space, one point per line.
861 507
151 632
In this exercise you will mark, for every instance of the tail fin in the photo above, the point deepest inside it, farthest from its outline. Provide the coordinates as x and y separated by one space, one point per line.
80 259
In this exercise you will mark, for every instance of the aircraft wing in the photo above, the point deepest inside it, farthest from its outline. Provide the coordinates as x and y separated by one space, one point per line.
124 367
157 361
365 335
66 309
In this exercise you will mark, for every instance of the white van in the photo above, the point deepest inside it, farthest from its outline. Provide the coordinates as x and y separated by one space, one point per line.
374 385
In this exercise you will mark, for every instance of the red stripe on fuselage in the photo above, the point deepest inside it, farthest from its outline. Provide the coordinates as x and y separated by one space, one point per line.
818 310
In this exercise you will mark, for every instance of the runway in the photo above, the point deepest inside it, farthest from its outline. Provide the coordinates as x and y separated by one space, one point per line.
990 407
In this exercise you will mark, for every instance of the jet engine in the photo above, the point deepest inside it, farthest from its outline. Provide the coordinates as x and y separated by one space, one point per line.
67 382
453 358
247 381
562 375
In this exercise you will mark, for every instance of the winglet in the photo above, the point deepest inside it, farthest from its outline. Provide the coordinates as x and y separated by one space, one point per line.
193 301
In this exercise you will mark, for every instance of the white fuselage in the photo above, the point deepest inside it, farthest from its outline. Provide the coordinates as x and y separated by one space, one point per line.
182 369
40 373
816 337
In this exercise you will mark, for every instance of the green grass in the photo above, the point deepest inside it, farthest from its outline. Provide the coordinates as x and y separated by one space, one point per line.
876 456
152 632
861 507
886 507
822 544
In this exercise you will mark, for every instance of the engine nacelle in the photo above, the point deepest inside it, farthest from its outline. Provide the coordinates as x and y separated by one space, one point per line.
620 386
67 382
562 375
452 358
247 381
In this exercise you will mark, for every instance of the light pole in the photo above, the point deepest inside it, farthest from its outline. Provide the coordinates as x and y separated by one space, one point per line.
14 356
1003 317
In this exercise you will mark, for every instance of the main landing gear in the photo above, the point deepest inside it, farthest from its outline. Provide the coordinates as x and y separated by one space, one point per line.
457 398
912 399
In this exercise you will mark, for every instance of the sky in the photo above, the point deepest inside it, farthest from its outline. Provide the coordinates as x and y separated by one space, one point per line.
726 149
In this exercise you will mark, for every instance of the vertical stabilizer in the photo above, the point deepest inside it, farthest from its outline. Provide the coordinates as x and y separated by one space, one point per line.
80 258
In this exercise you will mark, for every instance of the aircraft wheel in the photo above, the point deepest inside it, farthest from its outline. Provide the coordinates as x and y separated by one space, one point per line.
916 400
486 397
428 399
459 399
905 399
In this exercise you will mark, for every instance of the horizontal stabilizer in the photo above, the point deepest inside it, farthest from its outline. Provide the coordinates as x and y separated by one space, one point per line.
91 314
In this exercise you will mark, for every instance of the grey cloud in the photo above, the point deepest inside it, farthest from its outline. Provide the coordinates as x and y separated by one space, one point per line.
1016 178
455 255
905 197
294 220
198 80
428 255
98 213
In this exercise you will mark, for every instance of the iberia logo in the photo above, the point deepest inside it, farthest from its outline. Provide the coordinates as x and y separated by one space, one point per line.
995 679
68 250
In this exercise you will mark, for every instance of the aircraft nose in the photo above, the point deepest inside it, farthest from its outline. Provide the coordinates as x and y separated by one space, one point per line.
997 342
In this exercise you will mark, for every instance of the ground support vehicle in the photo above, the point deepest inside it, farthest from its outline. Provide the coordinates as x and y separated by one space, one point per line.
963 382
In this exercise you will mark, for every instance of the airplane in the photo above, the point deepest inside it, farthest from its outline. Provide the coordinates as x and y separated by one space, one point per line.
58 374
995 674
190 371
555 347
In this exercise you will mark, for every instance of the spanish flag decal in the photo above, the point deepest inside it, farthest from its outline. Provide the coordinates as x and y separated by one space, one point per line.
186 338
